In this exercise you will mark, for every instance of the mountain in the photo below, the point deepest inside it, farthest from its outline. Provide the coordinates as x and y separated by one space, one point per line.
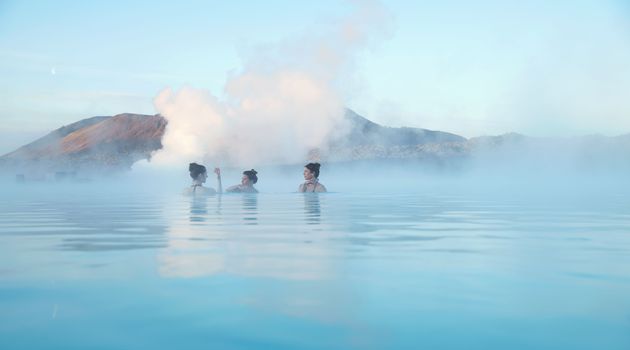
367 140
365 132
106 144
115 143
48 144
93 144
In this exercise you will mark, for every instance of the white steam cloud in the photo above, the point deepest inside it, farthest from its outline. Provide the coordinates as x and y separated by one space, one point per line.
286 101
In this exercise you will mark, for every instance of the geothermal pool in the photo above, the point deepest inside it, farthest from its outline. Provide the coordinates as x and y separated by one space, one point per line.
429 269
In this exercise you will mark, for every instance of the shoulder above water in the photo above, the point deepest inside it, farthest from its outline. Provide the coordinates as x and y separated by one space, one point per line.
199 191
241 189
310 187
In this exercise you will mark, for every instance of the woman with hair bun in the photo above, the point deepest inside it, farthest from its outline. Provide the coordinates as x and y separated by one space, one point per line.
247 182
311 177
199 175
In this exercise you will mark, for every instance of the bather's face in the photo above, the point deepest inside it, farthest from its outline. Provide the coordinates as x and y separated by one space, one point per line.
202 177
245 180
308 175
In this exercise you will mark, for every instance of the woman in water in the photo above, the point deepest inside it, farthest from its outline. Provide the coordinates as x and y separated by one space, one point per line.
311 175
247 182
199 175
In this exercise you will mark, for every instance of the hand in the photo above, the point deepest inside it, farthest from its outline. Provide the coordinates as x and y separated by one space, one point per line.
217 171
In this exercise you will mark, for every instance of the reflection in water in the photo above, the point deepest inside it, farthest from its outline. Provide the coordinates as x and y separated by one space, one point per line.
190 252
373 269
234 242
218 208
250 208
312 210
98 225
198 208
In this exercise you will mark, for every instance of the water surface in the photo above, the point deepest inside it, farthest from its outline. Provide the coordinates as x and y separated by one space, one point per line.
429 269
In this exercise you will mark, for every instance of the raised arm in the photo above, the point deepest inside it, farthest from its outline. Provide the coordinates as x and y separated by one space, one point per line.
219 186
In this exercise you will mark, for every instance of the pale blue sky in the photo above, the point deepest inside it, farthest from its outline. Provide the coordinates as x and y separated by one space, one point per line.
488 67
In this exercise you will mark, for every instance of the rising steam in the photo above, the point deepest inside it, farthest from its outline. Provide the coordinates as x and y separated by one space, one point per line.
286 101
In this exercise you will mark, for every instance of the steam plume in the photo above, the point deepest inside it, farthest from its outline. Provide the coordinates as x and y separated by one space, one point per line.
287 100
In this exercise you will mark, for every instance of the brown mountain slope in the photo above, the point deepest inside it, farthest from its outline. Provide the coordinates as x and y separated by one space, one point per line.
91 144
116 142
104 144
49 145
120 129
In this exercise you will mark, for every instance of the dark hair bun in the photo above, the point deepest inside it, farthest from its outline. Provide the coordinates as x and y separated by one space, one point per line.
251 174
196 169
314 168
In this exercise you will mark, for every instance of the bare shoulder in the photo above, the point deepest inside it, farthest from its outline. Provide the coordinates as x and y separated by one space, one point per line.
235 188
199 191
207 191
321 188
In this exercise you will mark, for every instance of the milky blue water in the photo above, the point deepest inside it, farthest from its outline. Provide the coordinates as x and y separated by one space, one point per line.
428 270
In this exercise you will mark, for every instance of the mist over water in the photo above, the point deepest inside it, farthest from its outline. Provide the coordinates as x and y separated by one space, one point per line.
492 172
523 246
286 100
394 256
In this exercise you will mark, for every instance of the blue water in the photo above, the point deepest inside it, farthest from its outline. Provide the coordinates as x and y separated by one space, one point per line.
427 270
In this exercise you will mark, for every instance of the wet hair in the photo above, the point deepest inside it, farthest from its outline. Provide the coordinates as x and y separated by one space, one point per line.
314 168
251 174
196 169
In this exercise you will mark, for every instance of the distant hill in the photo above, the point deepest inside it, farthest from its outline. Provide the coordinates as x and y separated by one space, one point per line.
365 132
367 140
114 143
49 144
93 144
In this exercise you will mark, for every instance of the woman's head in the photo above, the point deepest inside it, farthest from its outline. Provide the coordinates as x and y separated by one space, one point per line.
311 171
197 172
249 177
